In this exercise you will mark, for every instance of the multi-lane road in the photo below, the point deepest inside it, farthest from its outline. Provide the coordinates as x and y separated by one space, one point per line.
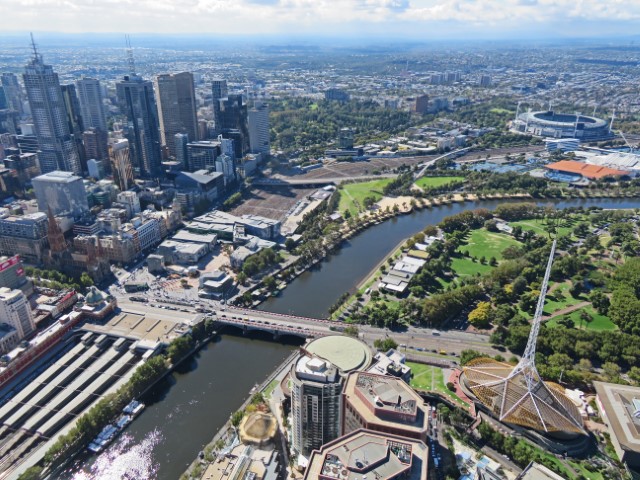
423 341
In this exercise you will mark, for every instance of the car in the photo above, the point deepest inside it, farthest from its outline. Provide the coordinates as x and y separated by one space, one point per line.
403 345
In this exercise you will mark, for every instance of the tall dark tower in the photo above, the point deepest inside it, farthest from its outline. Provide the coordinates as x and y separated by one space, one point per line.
137 102
57 148
177 108
219 92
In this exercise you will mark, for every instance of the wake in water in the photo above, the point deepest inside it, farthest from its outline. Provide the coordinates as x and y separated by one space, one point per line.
125 460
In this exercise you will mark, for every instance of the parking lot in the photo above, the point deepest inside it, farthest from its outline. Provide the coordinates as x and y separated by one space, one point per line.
271 202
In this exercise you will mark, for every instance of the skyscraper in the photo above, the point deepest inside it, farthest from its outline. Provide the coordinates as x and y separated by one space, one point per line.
90 96
177 108
13 92
74 120
57 148
259 135
219 91
233 117
137 103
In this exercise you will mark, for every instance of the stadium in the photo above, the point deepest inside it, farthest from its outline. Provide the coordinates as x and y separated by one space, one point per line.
562 125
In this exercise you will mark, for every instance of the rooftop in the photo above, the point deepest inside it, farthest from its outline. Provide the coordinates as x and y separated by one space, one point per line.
586 170
385 400
346 353
58 177
621 404
366 454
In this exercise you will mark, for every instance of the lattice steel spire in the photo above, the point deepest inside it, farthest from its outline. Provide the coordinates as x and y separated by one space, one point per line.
518 394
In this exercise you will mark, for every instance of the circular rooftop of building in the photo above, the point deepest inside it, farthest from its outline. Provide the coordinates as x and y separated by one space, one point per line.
346 353
556 119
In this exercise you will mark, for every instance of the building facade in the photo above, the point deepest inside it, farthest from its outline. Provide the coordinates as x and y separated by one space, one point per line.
91 103
177 108
61 192
259 135
16 311
57 148
137 102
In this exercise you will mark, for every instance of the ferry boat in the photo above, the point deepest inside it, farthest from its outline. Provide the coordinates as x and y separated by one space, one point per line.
109 432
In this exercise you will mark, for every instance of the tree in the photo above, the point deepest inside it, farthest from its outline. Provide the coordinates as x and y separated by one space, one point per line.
385 344
611 370
467 355
178 348
289 244
481 315
352 331
451 386
236 418
32 473
85 280
600 301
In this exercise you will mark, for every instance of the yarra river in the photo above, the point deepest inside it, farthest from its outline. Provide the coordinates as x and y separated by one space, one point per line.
185 410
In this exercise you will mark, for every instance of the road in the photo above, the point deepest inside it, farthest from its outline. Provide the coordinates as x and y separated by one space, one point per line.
450 341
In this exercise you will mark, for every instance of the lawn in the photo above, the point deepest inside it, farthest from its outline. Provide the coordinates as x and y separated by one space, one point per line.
599 322
432 182
424 377
270 388
538 226
464 267
353 194
555 302
482 243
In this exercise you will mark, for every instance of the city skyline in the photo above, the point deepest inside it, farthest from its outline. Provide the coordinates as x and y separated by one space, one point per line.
408 19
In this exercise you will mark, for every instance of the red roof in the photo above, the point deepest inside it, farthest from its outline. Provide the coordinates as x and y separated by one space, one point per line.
585 169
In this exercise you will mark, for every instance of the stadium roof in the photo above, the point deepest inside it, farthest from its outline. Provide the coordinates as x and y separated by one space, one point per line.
542 406
584 169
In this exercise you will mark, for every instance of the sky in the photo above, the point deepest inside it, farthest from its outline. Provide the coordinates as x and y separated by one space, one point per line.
409 19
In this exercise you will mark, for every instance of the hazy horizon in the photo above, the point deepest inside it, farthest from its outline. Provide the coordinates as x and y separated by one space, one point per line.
378 20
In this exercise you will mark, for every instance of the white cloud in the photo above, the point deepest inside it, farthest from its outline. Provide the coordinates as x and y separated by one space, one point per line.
300 17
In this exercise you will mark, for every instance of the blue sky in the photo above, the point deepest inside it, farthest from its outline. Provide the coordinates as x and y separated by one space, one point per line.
411 19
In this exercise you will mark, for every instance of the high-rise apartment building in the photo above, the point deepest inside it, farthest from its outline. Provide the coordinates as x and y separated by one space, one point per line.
61 192
121 166
57 148
91 104
137 103
317 379
176 107
315 403
259 135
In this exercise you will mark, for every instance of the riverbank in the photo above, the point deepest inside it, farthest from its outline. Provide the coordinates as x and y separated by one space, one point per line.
391 207
211 450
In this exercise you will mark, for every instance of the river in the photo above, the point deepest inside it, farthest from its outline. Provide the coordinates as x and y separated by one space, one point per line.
313 292
185 411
